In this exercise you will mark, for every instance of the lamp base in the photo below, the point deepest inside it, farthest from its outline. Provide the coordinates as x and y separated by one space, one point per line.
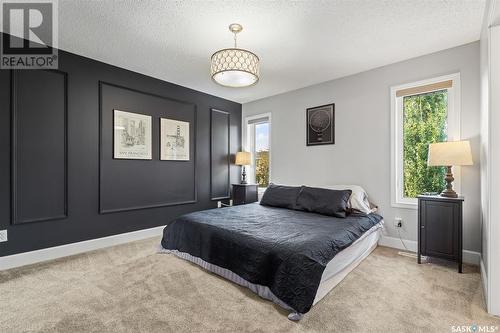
449 192
243 177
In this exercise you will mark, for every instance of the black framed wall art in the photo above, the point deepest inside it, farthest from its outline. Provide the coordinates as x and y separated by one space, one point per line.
132 136
320 125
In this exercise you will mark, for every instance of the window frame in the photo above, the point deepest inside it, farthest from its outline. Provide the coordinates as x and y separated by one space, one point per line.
453 134
249 145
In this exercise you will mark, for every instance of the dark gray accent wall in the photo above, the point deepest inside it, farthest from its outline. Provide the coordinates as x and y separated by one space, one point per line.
58 181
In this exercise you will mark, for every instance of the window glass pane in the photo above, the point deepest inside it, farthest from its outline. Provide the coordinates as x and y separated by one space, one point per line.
262 154
424 122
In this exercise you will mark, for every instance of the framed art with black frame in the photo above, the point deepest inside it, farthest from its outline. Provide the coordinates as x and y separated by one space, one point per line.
132 136
320 125
174 140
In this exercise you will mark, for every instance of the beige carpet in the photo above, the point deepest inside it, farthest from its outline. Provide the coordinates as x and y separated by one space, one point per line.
130 288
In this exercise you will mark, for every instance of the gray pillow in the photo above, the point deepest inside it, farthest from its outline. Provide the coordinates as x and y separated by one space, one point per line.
324 201
280 196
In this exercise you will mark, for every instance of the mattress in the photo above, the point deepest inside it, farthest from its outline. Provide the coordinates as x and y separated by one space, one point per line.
346 260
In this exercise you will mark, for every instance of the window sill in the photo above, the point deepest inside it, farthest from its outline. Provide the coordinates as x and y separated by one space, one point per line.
405 205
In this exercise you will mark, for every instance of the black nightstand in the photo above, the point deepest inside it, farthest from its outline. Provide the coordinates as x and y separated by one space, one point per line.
440 228
244 193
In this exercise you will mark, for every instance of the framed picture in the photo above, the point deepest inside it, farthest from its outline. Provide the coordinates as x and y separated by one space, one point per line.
132 136
174 140
320 125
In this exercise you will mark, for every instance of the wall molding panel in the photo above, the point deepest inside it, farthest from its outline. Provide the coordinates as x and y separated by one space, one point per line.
169 109
39 146
220 154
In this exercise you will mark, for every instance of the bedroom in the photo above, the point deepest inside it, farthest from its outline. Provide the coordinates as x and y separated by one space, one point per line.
138 192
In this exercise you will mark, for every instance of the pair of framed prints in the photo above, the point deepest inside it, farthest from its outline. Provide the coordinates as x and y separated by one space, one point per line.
132 135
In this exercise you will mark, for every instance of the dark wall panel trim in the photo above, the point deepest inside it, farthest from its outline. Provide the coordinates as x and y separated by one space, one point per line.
14 158
228 186
193 137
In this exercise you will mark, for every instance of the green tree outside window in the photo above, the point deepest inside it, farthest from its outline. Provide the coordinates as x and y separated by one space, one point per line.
262 168
424 122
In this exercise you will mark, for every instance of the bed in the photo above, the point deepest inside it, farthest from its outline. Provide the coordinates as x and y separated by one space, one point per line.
285 254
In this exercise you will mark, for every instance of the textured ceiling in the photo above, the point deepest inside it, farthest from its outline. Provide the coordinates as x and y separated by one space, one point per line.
299 43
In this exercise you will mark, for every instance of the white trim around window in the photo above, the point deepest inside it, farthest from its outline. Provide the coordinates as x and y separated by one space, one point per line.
453 133
249 143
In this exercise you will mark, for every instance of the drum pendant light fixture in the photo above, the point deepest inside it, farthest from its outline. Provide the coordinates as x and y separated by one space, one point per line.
235 67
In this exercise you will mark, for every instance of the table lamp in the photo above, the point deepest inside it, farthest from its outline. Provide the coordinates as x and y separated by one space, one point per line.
243 158
448 154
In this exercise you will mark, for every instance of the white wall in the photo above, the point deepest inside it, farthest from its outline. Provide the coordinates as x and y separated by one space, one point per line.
484 147
361 154
490 156
484 77
494 176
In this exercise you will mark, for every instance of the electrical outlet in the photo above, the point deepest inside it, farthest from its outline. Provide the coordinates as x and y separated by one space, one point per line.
3 235
398 222
219 204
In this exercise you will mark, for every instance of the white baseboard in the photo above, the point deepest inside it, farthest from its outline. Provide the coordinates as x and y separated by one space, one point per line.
395 242
469 257
484 280
32 257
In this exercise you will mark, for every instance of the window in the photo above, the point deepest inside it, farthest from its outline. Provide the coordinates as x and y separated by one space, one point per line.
258 130
422 113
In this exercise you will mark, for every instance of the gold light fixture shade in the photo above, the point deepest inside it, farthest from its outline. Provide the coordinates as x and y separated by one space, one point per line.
243 158
235 67
449 153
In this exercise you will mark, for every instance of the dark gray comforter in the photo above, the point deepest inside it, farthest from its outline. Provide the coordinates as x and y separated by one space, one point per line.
285 250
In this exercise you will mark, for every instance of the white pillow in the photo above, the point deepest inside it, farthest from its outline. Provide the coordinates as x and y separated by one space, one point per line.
359 198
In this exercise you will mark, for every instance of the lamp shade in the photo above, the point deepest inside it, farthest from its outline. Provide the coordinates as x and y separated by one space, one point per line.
235 67
449 153
243 158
